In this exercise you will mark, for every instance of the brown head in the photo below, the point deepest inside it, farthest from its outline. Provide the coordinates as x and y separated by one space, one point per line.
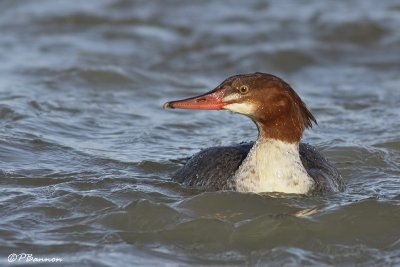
271 103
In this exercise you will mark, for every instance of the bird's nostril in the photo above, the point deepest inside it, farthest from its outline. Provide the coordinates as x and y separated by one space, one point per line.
201 100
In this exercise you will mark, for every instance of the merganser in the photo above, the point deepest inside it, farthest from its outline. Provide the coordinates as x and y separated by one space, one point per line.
276 161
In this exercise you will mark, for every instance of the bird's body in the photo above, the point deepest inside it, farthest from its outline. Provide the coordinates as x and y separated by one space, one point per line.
214 169
277 161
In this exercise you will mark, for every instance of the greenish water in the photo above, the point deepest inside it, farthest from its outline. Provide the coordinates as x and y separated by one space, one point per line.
86 150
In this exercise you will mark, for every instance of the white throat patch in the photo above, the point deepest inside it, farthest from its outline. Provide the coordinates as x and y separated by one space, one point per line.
242 108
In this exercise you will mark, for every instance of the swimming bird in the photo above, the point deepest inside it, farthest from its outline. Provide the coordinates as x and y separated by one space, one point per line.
277 161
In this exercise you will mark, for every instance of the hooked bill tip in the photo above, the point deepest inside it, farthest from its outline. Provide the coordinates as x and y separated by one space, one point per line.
167 105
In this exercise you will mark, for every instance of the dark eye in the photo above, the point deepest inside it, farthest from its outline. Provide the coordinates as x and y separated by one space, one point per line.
244 89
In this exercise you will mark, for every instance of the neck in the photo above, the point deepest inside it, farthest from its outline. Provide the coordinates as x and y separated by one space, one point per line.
288 130
273 166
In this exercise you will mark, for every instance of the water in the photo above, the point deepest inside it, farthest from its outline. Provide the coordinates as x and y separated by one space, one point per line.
86 150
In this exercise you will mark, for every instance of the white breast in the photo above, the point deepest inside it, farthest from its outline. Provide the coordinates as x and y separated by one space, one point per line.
273 166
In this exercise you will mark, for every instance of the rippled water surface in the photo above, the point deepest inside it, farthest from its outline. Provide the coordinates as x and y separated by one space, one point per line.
86 150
